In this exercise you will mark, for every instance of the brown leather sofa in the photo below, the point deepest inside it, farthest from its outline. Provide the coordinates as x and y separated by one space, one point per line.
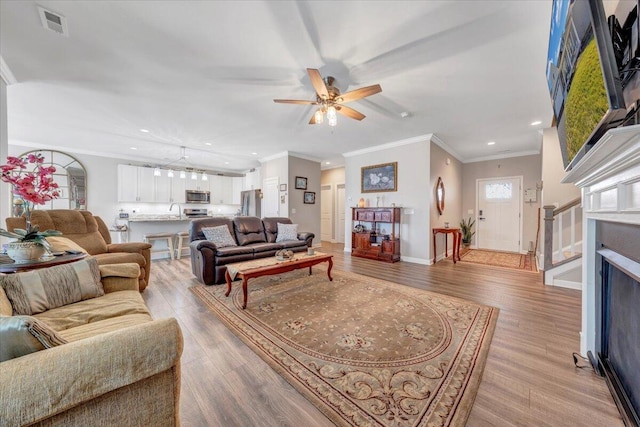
91 233
256 238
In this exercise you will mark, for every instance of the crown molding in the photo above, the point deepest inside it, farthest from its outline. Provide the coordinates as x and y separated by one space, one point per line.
6 74
503 156
446 147
289 154
274 156
412 140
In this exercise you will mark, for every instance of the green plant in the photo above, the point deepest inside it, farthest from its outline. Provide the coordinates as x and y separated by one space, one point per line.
465 227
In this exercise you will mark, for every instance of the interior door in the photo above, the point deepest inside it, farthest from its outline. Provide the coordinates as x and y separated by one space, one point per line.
270 197
341 215
326 210
499 217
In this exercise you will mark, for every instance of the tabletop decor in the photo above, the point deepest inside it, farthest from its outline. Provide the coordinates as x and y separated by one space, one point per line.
33 183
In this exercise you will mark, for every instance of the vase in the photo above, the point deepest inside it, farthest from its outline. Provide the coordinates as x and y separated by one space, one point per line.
25 251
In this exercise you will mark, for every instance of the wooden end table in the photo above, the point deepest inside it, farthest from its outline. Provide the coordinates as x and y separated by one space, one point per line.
457 238
7 265
248 270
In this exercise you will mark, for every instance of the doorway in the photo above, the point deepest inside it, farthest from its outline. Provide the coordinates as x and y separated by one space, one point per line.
270 198
499 219
326 213
340 213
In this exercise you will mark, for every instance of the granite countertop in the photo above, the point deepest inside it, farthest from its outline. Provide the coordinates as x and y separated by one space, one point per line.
156 218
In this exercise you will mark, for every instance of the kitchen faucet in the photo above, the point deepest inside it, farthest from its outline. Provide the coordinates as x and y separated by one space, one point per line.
179 209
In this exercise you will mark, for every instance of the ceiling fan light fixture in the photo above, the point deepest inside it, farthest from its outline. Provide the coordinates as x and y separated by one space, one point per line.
183 175
170 173
332 116
319 117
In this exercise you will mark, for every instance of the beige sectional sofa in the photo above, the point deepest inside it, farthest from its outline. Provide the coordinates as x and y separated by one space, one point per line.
119 367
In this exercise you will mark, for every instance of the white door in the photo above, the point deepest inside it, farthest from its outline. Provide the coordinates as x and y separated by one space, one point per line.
326 210
341 215
270 199
499 220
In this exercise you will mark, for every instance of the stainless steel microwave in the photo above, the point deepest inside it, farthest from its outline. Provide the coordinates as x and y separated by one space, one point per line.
195 196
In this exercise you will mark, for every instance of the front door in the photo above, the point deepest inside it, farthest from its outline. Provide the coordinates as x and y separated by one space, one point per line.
499 222
270 197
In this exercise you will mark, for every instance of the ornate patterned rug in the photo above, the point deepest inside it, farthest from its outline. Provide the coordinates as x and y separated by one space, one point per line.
524 262
365 351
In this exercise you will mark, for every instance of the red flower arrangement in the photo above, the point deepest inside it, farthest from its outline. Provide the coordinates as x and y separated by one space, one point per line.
34 187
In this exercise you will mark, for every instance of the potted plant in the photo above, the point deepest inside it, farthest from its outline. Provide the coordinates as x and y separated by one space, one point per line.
33 187
467 234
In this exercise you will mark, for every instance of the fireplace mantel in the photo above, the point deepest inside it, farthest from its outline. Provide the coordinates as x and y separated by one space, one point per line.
609 178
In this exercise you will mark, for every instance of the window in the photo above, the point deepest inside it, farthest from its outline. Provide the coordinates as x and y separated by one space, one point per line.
501 190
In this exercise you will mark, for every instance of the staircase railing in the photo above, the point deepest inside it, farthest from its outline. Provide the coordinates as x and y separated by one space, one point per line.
563 239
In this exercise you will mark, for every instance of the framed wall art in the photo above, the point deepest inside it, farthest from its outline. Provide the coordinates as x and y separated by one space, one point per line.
379 178
309 197
301 183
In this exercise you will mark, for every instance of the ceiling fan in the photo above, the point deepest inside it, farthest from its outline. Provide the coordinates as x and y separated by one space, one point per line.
329 99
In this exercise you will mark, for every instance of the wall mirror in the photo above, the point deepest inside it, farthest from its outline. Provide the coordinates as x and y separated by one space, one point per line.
440 196
70 176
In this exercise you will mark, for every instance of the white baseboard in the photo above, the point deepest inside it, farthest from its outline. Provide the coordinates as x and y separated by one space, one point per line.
567 284
416 260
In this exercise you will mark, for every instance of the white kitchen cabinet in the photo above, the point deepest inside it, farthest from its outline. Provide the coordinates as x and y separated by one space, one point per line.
221 190
178 186
135 184
253 180
163 188
237 185
146 185
196 184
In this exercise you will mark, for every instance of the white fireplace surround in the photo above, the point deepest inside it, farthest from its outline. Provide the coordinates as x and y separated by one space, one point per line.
609 178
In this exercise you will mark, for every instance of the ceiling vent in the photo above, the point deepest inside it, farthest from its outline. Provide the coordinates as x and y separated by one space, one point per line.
53 21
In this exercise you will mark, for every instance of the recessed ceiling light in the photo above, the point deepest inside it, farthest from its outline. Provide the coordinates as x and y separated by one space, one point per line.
255 154
144 130
207 143
536 123
133 148
226 163
327 163
491 143
404 114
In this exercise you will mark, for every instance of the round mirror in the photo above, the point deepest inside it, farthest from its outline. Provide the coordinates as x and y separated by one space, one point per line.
71 178
440 196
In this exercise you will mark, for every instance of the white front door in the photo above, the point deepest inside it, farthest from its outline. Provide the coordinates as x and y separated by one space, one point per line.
340 201
499 218
270 197
326 209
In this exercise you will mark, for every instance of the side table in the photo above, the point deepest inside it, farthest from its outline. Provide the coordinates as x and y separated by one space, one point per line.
7 265
457 238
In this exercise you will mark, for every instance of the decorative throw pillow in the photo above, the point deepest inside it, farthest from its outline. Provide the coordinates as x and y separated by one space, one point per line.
61 244
219 235
287 232
40 290
22 335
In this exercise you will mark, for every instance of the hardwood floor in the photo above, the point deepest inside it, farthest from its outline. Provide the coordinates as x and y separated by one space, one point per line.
529 378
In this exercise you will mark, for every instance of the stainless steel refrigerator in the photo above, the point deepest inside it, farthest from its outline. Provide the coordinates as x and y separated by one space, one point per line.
250 203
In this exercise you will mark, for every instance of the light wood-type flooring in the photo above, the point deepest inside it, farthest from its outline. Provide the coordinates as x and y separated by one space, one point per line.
529 378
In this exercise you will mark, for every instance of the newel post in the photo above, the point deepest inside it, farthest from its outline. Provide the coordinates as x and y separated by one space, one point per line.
548 236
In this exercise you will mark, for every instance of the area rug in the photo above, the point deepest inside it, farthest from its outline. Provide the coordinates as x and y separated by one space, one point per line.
366 352
524 262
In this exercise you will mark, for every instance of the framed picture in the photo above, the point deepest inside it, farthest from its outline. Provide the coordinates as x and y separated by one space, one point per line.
379 178
309 197
283 187
301 183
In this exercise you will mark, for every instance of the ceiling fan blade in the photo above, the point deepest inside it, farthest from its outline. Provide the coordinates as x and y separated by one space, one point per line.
295 101
359 93
349 112
318 83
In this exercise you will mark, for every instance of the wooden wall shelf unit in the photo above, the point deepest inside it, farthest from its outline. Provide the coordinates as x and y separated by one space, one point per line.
380 235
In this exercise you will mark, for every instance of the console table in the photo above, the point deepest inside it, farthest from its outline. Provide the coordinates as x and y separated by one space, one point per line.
457 238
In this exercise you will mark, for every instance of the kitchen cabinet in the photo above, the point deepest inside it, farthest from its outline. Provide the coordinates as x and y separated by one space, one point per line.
197 184
222 190
178 187
237 185
376 233
135 184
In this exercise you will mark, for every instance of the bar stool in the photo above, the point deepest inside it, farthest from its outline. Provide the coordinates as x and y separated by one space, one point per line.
182 239
152 237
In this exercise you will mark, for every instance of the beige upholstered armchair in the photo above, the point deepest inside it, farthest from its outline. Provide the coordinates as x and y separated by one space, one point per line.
91 233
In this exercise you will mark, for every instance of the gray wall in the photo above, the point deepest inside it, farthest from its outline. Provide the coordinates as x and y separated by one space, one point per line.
451 175
307 216
527 166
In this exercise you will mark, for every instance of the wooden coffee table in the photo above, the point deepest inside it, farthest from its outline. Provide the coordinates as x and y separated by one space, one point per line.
251 269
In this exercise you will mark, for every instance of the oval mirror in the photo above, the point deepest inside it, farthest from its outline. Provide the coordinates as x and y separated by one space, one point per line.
70 176
440 196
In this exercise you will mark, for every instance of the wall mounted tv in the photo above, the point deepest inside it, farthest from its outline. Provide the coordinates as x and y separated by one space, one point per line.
592 71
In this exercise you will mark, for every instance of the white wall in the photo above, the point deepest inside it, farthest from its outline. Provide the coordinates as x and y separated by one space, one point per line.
413 195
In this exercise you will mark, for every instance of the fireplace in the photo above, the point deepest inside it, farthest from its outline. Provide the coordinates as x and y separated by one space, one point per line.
617 318
609 177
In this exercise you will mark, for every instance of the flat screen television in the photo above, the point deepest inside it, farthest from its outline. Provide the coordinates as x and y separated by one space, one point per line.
592 67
